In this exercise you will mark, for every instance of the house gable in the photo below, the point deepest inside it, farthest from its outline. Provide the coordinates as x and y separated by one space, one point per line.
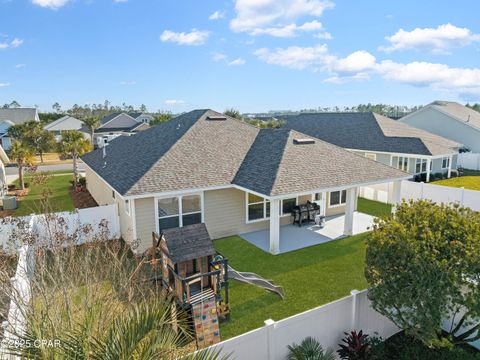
120 121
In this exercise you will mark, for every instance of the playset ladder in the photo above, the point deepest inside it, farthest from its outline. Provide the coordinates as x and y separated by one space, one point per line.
205 320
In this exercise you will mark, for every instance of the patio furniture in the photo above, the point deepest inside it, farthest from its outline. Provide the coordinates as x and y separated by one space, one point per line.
305 213
320 221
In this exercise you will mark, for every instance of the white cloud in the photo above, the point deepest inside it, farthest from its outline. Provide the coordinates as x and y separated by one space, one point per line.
175 102
4 85
128 82
12 44
439 40
218 56
193 38
291 30
360 65
120 1
276 17
217 15
52 4
19 66
238 61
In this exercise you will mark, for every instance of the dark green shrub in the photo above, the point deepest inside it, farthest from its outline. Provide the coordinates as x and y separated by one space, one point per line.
454 173
356 346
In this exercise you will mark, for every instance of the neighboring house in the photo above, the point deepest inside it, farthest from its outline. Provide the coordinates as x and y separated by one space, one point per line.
14 116
65 123
449 119
117 124
3 176
205 167
142 117
382 139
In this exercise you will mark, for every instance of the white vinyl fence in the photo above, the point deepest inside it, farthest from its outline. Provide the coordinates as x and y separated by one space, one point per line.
415 191
469 161
326 323
100 219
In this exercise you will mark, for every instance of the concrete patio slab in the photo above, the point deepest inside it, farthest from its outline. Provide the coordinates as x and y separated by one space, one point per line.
293 237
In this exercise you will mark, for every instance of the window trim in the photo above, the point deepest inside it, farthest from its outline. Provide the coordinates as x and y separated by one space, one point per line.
447 158
403 162
265 201
371 156
422 161
339 204
180 209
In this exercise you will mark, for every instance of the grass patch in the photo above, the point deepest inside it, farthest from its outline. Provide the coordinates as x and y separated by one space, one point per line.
372 207
310 277
60 199
468 182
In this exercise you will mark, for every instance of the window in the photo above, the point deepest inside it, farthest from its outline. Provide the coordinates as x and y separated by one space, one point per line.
318 196
113 194
258 208
445 162
288 205
179 211
371 156
400 162
127 206
338 198
420 166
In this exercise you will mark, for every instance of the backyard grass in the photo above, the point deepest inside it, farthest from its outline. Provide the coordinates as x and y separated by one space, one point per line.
310 277
60 199
468 182
374 208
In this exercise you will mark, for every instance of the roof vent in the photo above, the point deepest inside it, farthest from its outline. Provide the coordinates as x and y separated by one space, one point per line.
217 117
303 141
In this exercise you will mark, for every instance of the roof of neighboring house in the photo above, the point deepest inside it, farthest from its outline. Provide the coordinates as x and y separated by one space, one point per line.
370 132
3 156
19 115
66 122
188 243
5 125
458 111
116 129
204 149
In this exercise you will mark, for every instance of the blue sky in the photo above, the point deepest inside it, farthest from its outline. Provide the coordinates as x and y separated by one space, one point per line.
254 55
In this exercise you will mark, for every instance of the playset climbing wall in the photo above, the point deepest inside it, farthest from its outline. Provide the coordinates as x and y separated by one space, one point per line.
205 320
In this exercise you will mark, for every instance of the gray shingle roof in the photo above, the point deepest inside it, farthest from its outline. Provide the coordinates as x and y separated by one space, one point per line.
276 165
188 243
18 115
459 112
66 122
369 131
191 152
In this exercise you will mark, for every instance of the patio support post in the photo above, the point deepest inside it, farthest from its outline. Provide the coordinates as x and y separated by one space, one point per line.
274 226
429 162
349 210
397 194
449 173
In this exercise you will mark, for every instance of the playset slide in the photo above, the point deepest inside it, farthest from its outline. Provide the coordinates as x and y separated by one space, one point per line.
254 279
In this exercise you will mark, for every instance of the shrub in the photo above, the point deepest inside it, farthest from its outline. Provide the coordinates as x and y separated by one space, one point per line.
454 173
356 346
309 349
82 181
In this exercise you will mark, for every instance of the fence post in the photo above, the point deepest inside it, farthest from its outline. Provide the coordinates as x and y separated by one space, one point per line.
422 184
270 326
354 318
462 196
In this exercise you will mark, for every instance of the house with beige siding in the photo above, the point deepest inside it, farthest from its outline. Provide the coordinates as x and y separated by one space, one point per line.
205 167
416 151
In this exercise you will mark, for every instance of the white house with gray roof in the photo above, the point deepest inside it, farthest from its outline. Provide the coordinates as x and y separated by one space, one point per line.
65 123
14 116
205 167
117 124
379 138
448 119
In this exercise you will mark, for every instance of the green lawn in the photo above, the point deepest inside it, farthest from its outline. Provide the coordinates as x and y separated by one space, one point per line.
60 196
374 208
310 277
468 182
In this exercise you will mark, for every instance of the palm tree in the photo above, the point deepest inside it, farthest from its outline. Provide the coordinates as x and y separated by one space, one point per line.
309 349
74 144
24 155
92 123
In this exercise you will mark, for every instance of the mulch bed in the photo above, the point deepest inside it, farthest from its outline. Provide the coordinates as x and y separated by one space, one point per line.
82 199
20 194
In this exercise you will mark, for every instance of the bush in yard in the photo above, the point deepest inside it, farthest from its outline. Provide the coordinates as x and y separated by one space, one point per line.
309 349
423 266
454 173
356 346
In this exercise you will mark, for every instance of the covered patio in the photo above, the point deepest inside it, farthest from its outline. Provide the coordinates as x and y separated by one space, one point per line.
293 237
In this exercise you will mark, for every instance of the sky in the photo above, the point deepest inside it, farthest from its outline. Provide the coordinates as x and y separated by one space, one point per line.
253 55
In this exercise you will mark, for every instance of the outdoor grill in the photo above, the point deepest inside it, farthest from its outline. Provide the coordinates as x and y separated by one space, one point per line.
305 213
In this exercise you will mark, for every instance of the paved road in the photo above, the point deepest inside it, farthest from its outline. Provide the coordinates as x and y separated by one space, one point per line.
13 170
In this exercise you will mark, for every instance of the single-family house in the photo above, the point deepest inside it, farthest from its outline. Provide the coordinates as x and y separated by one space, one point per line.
448 119
379 138
205 167
65 123
142 117
14 116
117 124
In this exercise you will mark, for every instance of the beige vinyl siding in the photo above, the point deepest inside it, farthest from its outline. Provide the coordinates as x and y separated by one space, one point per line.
100 191
145 222
225 214
304 198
